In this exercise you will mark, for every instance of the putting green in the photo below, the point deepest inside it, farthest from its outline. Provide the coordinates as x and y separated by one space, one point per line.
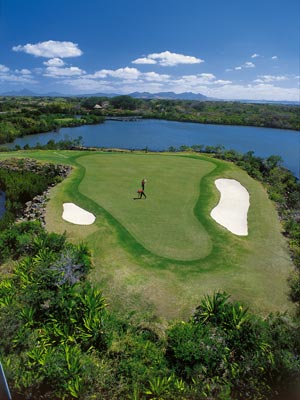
164 223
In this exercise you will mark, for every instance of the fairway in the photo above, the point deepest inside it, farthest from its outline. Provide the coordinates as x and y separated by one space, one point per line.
162 254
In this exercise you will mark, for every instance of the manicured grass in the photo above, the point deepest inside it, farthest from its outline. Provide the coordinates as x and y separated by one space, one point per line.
141 266
164 223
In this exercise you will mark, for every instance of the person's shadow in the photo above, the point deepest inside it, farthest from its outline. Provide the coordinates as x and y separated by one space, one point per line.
136 198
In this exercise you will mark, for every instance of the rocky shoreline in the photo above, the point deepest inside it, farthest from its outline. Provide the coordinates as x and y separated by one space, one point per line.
35 209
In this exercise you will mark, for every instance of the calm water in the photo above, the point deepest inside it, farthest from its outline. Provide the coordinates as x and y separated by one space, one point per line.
159 135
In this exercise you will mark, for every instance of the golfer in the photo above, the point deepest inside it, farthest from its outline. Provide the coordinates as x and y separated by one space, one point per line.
143 183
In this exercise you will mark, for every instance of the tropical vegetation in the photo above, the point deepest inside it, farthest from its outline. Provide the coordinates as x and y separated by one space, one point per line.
60 340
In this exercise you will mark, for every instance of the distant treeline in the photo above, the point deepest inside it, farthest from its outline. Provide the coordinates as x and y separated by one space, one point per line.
19 117
23 116
205 112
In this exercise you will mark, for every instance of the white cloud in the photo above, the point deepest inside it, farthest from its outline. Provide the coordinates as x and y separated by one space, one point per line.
271 78
50 49
253 92
129 75
55 72
255 55
120 73
84 84
246 65
274 58
54 62
154 77
168 59
144 60
17 76
126 80
222 82
228 69
23 71
205 83
3 68
194 83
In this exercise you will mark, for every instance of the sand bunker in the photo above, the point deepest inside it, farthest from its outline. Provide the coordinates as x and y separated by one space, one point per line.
232 210
77 215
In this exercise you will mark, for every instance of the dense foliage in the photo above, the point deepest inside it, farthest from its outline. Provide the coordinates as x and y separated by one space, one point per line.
206 112
24 116
28 115
59 339
22 179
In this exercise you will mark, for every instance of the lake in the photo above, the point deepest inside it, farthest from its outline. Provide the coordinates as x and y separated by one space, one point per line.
160 134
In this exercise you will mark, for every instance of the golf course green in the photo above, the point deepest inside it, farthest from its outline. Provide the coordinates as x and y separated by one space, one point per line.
163 253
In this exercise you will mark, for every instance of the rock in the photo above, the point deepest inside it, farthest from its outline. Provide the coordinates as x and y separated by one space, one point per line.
36 208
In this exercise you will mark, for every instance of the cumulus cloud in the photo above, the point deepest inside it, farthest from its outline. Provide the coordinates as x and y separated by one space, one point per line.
222 82
56 72
3 68
50 49
271 78
274 58
154 77
129 74
167 59
84 84
23 71
17 76
260 91
54 62
144 60
255 55
246 65
120 73
206 83
126 80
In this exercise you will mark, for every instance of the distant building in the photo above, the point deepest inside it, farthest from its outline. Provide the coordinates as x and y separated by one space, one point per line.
98 107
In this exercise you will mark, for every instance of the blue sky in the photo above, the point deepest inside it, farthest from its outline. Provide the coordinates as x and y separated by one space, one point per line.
229 49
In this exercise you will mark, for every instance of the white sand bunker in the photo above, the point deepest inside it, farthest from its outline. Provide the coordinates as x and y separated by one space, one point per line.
232 210
77 215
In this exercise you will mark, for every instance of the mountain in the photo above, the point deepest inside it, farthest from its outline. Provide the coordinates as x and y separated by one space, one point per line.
144 95
137 95
23 92
30 93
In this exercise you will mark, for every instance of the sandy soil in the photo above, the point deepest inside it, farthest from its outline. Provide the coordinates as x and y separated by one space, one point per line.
77 215
232 210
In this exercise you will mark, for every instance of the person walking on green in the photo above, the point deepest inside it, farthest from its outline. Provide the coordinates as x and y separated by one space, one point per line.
143 183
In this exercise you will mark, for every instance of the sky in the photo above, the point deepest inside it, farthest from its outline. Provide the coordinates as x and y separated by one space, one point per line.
233 49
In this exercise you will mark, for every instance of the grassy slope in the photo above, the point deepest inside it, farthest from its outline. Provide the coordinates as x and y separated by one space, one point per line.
253 269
